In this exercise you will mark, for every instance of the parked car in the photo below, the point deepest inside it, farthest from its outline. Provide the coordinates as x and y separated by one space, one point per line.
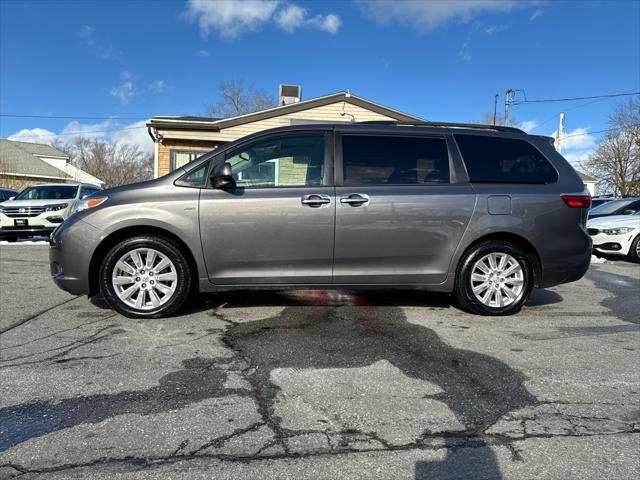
597 201
481 211
616 235
619 206
7 193
38 209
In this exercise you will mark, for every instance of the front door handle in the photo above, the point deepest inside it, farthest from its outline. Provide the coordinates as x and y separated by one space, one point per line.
355 199
316 200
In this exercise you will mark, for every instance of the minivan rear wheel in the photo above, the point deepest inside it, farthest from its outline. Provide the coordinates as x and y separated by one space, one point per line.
145 277
494 278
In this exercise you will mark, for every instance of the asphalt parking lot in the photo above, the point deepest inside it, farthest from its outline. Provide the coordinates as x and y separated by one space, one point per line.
315 384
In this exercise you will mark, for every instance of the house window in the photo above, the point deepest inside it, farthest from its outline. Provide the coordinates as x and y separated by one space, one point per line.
180 158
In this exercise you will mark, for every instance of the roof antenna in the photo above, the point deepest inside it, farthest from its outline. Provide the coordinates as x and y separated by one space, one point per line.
344 102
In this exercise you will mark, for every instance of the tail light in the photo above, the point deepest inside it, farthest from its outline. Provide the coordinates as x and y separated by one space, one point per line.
577 201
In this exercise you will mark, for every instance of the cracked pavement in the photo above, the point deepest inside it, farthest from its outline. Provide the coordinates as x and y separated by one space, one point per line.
318 384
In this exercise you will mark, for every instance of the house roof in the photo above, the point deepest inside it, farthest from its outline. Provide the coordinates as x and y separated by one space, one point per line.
585 178
21 158
206 123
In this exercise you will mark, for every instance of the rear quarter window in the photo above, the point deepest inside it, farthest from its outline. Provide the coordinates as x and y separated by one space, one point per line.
504 160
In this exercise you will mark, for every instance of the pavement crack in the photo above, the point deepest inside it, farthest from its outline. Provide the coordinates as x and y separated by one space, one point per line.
34 316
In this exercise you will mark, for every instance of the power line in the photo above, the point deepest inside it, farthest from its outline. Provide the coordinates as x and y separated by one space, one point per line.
520 102
71 117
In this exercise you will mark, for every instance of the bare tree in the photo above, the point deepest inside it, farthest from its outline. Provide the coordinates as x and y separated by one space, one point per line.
113 162
616 161
487 119
238 99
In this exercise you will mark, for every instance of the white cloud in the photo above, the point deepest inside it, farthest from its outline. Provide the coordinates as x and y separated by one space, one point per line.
231 18
135 133
330 23
126 90
292 17
577 139
464 53
528 125
577 159
536 14
491 29
576 145
159 86
32 135
86 36
427 15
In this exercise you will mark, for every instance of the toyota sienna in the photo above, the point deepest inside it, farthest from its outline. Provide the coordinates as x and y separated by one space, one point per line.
483 212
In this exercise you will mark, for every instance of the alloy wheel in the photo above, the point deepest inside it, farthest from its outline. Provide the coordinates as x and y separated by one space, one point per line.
497 280
144 278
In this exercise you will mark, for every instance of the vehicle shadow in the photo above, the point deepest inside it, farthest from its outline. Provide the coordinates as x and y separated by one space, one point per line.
340 297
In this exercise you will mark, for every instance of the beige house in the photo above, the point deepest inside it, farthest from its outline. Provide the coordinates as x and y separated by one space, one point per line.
179 140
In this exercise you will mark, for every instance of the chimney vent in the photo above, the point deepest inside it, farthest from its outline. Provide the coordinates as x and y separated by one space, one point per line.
289 94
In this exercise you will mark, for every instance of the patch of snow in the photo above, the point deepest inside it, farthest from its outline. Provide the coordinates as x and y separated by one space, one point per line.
28 241
595 259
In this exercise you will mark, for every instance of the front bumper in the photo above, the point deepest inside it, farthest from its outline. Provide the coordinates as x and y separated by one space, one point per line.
71 247
27 226
12 232
613 244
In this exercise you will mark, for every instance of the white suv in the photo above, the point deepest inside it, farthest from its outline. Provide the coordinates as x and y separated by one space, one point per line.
39 209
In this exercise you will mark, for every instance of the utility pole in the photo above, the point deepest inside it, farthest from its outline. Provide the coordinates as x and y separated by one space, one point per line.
560 134
507 95
495 108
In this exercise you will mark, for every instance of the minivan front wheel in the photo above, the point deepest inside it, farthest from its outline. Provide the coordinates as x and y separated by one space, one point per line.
494 278
145 277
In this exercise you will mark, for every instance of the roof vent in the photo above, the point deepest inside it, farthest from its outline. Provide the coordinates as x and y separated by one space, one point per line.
289 94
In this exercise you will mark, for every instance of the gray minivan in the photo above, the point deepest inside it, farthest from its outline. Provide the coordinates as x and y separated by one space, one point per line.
484 212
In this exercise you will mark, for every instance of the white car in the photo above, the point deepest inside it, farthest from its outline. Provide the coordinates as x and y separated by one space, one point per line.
616 235
39 209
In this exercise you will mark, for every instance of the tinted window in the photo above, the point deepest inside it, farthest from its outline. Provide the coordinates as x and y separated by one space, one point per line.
48 192
86 191
385 160
195 178
504 160
291 161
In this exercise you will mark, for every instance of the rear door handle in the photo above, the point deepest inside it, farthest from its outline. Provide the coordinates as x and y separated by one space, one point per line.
355 199
316 200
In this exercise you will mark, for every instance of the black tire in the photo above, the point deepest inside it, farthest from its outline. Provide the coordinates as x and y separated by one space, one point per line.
166 247
11 239
634 254
463 289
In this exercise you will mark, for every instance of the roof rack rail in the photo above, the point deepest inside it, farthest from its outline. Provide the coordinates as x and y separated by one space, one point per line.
478 126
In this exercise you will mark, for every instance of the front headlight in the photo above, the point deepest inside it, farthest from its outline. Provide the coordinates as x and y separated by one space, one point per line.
90 202
617 231
55 207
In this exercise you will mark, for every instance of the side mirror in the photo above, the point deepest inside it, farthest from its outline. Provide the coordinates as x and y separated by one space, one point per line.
222 176
11 198
628 212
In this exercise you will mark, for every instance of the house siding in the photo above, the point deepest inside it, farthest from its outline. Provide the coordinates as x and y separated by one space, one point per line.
165 147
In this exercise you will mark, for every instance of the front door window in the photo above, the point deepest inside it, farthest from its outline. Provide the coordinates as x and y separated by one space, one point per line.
288 161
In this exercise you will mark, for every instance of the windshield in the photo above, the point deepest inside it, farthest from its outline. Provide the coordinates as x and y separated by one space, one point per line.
48 192
611 206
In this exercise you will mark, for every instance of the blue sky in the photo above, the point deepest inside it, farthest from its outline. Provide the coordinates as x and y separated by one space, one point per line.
439 60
